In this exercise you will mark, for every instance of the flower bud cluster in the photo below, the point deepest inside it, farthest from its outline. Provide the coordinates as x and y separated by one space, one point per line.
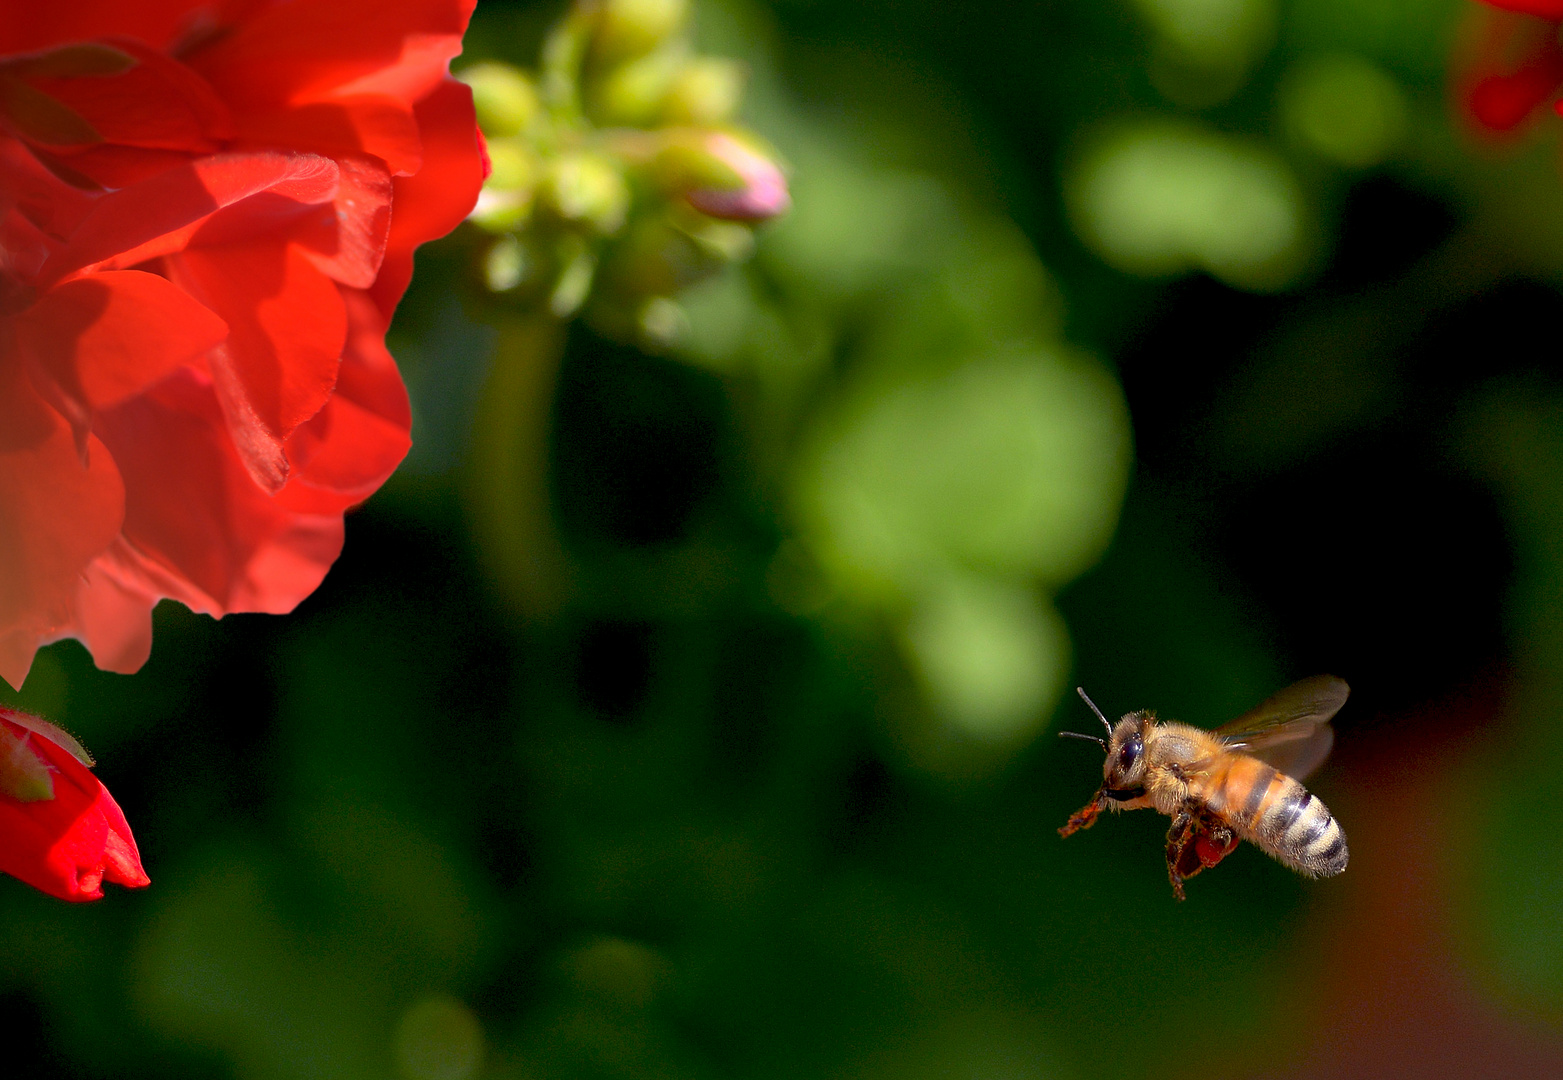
619 177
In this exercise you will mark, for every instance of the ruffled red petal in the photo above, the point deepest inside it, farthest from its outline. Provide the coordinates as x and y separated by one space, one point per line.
225 197
442 193
286 326
61 509
32 27
197 528
102 338
347 242
290 54
352 445
156 103
202 255
377 125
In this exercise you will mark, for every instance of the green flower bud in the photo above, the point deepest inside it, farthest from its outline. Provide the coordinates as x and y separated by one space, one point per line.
633 94
653 259
723 174
722 241
587 188
684 162
506 200
506 101
630 28
506 265
514 164
705 91
661 321
575 280
501 211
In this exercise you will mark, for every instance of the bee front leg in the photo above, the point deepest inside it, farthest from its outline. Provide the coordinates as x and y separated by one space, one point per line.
1084 817
1178 838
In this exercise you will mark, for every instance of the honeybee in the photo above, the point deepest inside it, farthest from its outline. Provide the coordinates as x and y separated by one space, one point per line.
1233 783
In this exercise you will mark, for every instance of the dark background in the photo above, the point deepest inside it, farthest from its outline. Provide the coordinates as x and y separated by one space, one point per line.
637 810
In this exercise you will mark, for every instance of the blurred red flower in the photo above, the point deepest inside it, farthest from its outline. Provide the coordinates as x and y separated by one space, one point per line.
1517 65
208 210
60 829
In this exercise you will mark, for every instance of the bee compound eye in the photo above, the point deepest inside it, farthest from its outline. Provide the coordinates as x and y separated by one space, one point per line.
1129 754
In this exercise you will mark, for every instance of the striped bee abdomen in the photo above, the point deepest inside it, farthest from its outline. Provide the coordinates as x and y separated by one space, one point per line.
1281 816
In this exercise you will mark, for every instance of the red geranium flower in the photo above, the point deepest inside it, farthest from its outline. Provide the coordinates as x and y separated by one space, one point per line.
208 210
60 829
1518 64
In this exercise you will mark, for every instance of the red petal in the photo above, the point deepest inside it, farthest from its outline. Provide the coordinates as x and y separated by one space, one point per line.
114 614
381 126
50 204
369 376
17 649
159 23
346 241
347 452
157 104
110 166
1516 67
59 514
352 446
1546 9
293 53
286 326
121 859
164 214
443 192
200 528
107 336
1500 102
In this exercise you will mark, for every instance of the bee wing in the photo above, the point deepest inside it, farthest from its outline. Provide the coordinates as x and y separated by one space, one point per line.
1290 731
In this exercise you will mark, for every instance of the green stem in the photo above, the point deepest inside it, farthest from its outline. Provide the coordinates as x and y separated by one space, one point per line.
508 487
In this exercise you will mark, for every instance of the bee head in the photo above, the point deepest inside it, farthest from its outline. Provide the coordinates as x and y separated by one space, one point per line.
1125 764
1124 767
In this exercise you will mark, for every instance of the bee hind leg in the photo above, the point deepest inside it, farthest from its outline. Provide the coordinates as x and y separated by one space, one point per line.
1178 838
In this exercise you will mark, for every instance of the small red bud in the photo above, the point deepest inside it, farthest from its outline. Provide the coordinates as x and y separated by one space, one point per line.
68 842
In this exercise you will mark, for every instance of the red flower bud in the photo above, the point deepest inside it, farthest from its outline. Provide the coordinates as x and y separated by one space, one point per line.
65 843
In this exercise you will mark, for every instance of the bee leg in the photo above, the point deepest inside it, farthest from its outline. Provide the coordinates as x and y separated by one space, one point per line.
1084 817
1178 838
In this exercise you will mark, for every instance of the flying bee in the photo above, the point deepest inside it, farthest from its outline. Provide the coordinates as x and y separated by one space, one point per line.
1233 783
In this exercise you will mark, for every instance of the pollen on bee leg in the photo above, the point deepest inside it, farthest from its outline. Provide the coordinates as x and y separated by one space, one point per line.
1212 850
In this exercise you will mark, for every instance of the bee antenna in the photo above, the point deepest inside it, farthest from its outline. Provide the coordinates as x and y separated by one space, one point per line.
1087 699
1088 738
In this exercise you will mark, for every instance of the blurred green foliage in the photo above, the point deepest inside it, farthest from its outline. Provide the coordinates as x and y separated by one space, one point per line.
680 708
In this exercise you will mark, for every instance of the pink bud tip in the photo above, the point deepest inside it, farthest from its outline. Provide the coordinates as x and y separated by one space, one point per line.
762 191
